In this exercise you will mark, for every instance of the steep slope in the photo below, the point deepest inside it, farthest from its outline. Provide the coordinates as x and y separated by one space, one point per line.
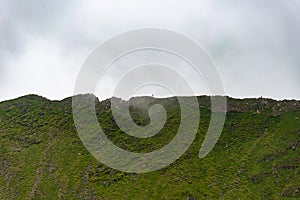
256 157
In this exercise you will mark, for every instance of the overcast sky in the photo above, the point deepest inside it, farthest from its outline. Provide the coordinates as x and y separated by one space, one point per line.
255 44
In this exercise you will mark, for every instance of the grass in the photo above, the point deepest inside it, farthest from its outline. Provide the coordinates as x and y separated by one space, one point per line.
256 157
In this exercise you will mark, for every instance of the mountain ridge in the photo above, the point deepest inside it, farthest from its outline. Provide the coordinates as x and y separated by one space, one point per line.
233 104
257 155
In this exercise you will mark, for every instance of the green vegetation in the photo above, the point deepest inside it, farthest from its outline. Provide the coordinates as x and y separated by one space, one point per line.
257 156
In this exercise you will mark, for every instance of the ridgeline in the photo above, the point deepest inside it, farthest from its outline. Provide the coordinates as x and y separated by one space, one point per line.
256 157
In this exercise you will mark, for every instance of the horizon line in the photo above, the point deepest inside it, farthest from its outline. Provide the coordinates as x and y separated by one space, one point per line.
152 96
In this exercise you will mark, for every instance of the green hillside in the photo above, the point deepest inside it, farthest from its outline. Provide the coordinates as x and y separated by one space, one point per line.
256 157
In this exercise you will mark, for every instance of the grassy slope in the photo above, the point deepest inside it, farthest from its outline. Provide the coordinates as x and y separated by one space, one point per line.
257 156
